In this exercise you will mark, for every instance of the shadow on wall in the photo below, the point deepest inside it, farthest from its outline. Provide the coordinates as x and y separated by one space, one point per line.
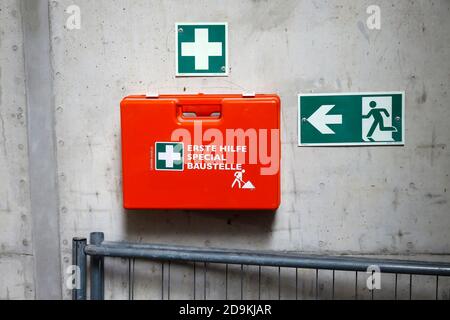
205 224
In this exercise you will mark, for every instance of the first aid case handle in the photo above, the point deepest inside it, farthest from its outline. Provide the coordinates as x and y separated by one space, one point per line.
204 108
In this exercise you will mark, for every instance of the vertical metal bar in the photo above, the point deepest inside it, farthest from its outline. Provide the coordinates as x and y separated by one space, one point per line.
194 280
97 269
162 280
80 262
317 284
131 263
373 282
356 285
242 281
204 282
396 283
168 280
226 281
129 278
259 282
410 287
332 294
279 283
132 291
437 287
296 283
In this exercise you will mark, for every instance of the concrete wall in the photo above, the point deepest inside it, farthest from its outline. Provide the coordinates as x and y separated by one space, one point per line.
16 254
370 200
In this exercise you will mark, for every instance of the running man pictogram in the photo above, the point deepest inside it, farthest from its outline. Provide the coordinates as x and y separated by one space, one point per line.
378 121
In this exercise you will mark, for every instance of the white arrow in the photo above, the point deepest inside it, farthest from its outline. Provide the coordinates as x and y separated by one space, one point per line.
320 119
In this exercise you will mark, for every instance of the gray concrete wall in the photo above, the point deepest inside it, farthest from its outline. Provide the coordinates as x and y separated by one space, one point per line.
370 200
16 252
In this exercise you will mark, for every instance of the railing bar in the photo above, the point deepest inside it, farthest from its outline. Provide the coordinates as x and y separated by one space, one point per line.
129 278
168 281
275 260
259 282
194 281
437 287
396 283
242 282
79 260
226 281
373 282
410 287
162 280
97 268
134 274
279 283
99 251
204 282
317 284
332 294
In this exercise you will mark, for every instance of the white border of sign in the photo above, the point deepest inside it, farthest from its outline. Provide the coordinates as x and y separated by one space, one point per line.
343 144
225 74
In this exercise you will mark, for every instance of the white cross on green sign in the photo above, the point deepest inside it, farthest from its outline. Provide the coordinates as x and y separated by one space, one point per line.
334 119
169 156
202 49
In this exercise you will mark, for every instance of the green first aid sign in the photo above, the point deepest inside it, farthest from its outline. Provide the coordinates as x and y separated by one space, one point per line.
351 119
169 156
201 49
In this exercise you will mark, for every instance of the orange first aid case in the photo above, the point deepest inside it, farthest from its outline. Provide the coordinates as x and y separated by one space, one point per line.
201 151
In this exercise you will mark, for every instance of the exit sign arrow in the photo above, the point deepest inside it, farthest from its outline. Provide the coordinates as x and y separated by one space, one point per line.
321 119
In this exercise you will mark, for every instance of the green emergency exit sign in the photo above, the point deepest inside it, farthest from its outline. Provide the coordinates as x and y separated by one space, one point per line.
335 119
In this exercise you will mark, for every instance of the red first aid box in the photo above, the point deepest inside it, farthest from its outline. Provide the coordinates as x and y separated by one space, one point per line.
201 152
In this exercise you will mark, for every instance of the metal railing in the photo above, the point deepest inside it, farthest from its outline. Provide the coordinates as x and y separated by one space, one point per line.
98 249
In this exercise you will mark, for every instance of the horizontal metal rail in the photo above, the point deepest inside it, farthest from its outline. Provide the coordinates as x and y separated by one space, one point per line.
98 249
274 259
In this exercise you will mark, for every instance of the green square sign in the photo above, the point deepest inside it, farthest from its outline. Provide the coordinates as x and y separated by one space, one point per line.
169 156
201 49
